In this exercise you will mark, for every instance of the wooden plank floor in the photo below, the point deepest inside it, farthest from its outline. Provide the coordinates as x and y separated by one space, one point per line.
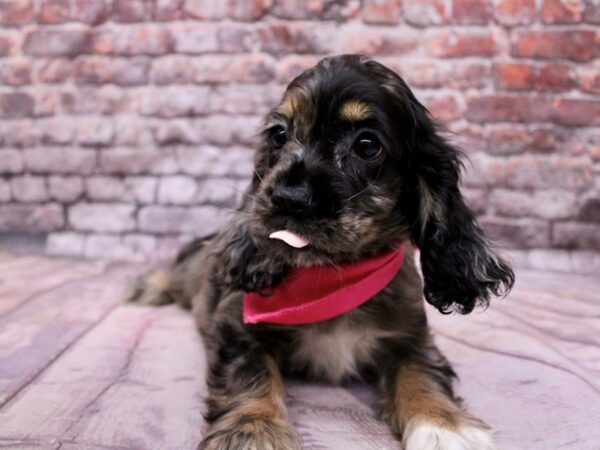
79 370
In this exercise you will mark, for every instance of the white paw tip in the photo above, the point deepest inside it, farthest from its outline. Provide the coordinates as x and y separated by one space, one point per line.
427 436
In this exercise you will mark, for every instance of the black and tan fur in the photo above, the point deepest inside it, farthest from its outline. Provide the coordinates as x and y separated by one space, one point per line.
351 161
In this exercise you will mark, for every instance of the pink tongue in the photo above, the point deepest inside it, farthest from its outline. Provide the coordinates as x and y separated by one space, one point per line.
289 238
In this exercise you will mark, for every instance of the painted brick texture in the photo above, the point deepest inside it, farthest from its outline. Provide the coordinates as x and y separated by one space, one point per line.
127 126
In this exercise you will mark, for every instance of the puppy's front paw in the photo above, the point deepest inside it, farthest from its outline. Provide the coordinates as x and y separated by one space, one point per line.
262 275
252 433
424 435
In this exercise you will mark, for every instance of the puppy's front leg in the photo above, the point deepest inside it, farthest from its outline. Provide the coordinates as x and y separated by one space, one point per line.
246 401
419 405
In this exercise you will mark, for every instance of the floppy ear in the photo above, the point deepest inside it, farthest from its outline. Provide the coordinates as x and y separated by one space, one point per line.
460 268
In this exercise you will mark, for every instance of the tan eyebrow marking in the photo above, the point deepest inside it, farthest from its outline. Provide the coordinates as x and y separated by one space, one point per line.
289 105
355 110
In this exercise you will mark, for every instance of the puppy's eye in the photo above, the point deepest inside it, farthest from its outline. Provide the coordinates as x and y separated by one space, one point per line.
278 136
367 146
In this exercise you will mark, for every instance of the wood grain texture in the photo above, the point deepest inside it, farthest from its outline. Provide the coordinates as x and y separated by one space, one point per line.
80 371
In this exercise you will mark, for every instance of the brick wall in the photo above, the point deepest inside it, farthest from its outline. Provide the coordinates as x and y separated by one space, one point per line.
127 125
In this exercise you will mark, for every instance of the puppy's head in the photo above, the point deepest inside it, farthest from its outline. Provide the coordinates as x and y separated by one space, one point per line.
351 164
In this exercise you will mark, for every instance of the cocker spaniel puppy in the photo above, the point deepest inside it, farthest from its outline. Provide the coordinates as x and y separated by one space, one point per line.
315 277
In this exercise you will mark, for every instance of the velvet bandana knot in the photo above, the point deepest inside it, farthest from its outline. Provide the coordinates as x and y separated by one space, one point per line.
314 294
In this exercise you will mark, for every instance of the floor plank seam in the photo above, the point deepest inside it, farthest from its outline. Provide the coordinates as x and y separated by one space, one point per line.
67 347
120 376
522 357
106 270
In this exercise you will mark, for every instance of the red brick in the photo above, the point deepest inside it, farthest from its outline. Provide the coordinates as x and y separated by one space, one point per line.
132 10
382 11
315 9
234 161
554 77
236 9
381 41
589 80
548 172
60 160
4 191
168 9
56 131
65 189
133 131
8 43
130 247
105 100
507 139
513 76
573 235
196 38
426 12
471 12
102 217
18 133
283 38
31 218
235 38
444 108
575 112
57 42
45 102
226 130
175 101
172 69
545 204
449 44
176 219
93 12
291 66
95 132
429 74
249 10
178 132
592 12
548 139
16 12
590 209
65 244
100 70
177 190
54 11
243 68
244 99
128 189
137 161
563 11
519 233
496 108
29 189
15 104
16 72
514 12
144 39
576 44
499 108
56 70
11 161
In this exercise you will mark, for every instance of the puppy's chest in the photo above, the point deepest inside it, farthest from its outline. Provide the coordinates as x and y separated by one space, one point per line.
334 352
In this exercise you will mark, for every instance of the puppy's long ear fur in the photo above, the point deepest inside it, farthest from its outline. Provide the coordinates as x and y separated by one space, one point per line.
460 268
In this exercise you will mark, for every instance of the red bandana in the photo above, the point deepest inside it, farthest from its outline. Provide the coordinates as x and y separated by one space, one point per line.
313 294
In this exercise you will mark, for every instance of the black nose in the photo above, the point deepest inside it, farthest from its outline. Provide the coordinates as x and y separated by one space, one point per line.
292 199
